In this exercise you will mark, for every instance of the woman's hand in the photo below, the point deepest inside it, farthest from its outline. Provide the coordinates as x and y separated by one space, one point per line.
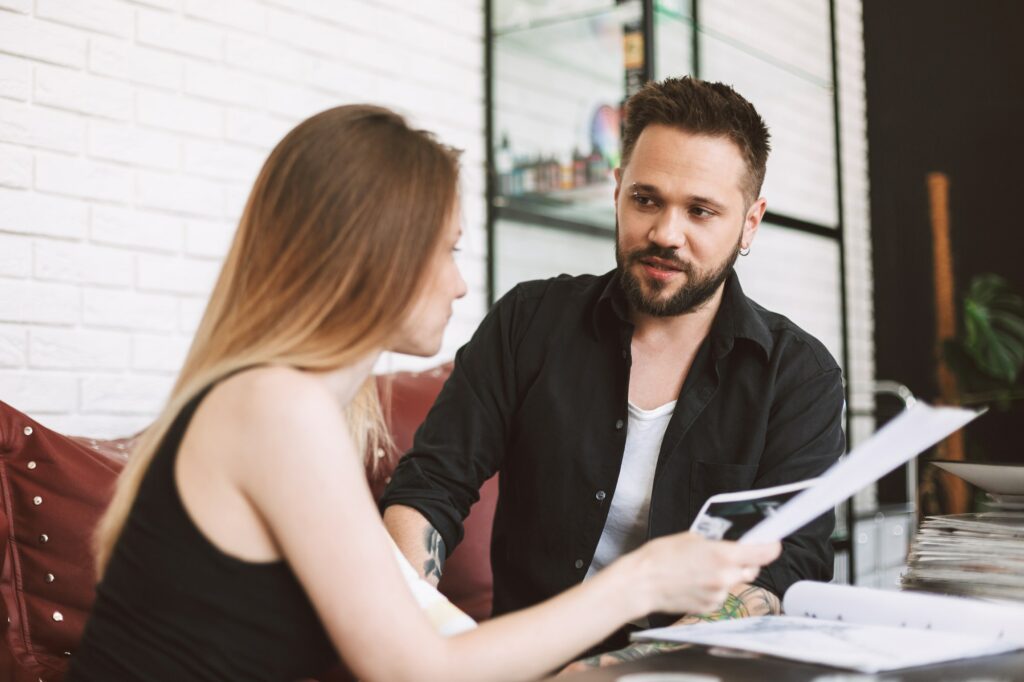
686 573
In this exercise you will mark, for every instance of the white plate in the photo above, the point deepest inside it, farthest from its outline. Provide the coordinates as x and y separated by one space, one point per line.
1007 499
997 479
1005 502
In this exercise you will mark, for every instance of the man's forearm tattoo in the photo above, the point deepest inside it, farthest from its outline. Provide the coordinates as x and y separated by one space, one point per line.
435 548
633 652
751 601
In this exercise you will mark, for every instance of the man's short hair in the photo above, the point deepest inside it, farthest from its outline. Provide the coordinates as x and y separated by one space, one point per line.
704 108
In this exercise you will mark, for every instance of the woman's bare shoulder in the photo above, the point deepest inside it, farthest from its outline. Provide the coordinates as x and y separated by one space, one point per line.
273 391
264 409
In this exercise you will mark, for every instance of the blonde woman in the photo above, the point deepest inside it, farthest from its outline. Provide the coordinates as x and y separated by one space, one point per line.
242 541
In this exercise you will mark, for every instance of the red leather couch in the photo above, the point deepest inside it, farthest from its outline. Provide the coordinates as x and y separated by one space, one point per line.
53 489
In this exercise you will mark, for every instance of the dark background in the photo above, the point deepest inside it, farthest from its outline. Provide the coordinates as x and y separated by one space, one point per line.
945 92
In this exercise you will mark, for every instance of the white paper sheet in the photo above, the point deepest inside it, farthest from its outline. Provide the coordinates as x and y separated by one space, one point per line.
915 429
865 648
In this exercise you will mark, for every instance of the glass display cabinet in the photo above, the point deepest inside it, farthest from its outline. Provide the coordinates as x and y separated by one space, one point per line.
559 78
558 74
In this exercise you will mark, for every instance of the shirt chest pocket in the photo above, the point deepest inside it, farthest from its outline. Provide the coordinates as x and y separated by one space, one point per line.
712 478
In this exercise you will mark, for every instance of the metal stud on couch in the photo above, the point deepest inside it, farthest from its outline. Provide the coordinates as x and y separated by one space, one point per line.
54 488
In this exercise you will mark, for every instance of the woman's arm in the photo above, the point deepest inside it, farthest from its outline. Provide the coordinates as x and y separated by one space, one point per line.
301 474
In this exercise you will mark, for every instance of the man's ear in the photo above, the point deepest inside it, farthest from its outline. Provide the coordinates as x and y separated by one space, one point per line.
618 184
752 221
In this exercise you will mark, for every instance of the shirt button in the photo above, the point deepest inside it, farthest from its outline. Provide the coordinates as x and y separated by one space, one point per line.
579 563
600 495
619 424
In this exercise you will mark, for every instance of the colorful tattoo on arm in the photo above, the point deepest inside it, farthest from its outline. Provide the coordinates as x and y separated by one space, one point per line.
749 601
746 601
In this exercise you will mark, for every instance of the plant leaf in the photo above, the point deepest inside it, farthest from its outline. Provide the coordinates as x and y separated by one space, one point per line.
994 327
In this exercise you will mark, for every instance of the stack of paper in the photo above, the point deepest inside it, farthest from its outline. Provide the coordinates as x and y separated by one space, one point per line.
975 555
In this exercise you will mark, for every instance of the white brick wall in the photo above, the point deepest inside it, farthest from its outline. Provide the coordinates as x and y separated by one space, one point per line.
130 133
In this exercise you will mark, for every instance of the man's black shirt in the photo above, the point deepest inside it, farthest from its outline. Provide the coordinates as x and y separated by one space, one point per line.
540 393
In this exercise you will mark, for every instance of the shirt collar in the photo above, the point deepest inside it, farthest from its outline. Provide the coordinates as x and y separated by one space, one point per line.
738 316
611 307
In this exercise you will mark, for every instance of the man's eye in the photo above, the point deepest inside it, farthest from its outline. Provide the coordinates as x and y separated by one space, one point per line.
643 201
701 212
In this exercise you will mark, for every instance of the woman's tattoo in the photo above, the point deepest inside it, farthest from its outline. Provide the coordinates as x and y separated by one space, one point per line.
435 548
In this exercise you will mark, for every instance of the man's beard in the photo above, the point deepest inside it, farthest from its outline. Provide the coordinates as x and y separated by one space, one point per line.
698 288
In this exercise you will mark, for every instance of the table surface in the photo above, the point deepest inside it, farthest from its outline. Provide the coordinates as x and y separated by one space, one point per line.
703 664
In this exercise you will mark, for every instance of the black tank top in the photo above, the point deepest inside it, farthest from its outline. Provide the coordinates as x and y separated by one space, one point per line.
171 606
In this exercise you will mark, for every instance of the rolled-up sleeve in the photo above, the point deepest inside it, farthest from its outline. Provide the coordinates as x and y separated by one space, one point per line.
462 441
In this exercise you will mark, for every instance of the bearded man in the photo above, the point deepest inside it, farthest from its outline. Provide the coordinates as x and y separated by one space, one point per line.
615 405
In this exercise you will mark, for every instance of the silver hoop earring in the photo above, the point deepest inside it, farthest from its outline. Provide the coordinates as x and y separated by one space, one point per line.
745 252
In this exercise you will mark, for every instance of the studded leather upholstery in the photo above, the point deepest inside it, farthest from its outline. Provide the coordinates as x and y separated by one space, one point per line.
53 489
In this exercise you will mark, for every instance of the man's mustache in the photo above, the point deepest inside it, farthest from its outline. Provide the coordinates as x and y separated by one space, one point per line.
665 255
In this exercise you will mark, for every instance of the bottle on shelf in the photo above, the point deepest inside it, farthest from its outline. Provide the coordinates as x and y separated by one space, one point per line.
529 170
504 167
553 173
566 175
579 168
597 167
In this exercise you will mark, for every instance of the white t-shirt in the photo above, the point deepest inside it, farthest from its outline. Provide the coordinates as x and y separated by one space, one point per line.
626 526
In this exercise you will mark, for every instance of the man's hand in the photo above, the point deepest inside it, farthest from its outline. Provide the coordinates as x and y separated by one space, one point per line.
743 601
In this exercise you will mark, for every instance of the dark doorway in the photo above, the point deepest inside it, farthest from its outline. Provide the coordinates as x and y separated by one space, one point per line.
945 92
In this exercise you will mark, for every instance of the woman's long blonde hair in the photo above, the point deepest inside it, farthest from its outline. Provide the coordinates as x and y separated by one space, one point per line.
334 242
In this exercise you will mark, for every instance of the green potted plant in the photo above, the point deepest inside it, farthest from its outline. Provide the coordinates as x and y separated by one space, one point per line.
988 353
986 357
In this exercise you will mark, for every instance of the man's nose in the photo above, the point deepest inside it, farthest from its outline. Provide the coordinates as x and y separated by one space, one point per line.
669 229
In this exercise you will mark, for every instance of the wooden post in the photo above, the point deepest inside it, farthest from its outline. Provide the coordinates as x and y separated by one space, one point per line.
945 330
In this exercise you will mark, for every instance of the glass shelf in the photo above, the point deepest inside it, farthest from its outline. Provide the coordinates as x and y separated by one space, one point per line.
588 210
559 83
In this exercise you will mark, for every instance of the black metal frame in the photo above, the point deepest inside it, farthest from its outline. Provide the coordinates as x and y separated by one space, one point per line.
489 175
840 237
836 233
